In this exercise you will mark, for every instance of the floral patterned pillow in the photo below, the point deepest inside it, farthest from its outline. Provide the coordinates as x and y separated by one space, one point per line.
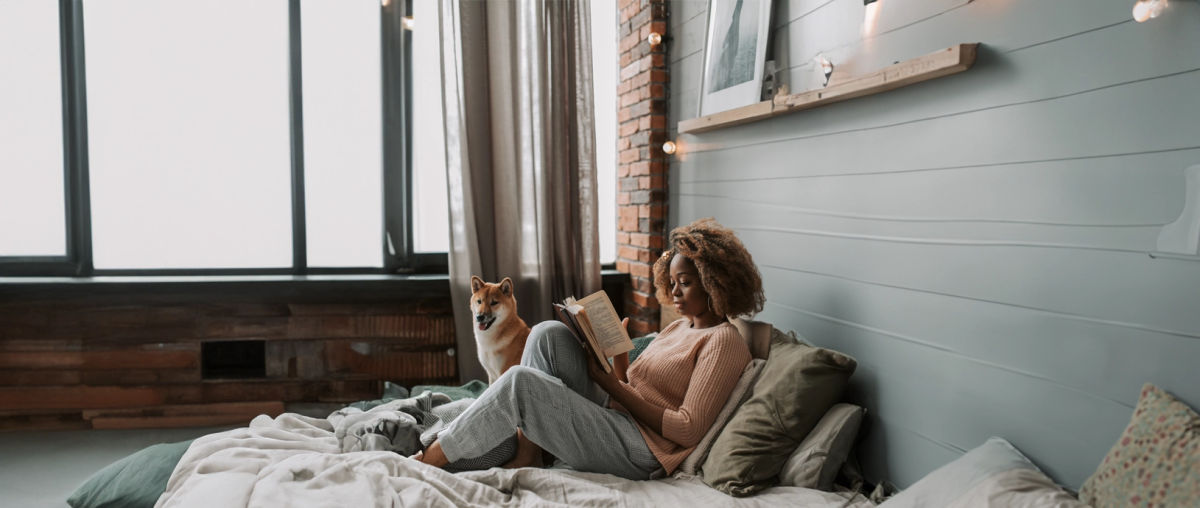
1155 463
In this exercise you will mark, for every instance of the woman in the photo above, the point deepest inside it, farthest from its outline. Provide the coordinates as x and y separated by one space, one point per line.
635 420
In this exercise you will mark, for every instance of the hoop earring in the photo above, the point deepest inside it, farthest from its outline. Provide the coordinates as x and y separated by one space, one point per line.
710 303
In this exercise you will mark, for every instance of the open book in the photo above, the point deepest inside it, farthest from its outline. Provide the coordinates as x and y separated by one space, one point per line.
595 324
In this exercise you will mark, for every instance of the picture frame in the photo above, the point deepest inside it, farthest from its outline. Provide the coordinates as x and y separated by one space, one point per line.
735 51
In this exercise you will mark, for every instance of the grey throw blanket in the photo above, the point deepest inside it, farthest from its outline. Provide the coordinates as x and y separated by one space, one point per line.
406 426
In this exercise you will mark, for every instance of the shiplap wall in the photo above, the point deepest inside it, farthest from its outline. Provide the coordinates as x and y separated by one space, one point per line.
978 242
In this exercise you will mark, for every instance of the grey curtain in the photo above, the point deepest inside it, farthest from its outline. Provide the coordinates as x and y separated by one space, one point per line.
520 157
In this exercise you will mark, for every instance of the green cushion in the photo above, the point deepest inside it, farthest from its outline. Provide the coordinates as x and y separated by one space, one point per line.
639 345
796 388
135 481
471 390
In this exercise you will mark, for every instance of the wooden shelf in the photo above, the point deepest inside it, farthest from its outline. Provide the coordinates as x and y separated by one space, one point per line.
952 60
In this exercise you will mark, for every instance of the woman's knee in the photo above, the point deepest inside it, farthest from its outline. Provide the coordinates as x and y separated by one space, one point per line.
517 377
543 339
523 382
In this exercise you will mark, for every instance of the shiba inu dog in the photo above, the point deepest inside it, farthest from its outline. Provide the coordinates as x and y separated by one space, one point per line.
499 332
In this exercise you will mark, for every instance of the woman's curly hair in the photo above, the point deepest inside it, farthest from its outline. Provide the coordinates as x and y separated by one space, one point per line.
727 271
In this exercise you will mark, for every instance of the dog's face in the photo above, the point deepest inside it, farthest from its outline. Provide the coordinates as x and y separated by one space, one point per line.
491 303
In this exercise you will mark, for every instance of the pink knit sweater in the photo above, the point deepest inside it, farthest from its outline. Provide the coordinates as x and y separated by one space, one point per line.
691 373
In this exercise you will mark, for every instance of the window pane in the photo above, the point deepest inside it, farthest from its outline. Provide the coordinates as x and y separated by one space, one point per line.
431 215
604 88
343 132
189 133
32 209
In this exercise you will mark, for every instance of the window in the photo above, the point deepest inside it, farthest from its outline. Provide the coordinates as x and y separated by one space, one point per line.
430 211
604 91
189 152
343 132
32 199
222 137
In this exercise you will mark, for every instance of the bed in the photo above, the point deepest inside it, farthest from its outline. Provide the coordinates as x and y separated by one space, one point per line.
294 461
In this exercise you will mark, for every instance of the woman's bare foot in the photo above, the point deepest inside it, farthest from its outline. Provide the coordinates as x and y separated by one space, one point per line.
432 455
529 454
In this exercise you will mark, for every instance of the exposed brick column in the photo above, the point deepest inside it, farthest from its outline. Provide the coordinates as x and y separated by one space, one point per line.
642 167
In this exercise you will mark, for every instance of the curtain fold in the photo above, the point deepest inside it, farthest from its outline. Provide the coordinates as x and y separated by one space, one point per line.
520 155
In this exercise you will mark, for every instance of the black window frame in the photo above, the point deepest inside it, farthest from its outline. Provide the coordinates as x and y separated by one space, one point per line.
398 252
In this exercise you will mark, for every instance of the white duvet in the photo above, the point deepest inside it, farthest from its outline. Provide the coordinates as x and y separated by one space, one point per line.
296 461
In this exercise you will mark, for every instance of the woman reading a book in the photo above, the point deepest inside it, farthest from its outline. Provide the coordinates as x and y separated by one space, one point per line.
638 418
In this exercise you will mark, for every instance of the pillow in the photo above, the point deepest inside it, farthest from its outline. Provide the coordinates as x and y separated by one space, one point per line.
740 392
797 387
950 482
816 462
135 481
1017 488
1157 460
757 335
640 344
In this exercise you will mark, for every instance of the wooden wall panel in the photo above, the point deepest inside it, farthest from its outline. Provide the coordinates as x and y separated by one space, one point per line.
980 243
133 365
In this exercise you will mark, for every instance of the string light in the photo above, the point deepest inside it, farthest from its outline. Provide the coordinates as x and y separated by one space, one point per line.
1146 9
669 147
654 38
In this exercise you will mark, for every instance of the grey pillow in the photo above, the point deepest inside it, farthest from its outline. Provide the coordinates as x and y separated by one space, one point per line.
135 481
796 388
816 462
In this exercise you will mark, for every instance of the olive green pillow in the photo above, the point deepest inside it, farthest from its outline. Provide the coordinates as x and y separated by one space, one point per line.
798 385
135 481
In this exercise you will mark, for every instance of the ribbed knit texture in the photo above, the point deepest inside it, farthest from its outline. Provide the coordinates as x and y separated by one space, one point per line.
691 373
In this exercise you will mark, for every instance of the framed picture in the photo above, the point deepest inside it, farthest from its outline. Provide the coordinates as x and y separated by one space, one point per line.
734 54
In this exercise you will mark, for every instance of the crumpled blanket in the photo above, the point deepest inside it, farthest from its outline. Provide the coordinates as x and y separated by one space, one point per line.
406 426
297 462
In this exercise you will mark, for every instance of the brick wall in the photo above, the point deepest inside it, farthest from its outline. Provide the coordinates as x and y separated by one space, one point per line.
138 360
642 87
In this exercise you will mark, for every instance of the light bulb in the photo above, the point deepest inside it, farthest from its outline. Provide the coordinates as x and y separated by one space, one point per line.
669 147
1146 9
654 38
1156 7
870 18
408 23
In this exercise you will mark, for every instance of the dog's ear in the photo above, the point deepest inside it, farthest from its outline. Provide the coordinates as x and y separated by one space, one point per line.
476 283
506 286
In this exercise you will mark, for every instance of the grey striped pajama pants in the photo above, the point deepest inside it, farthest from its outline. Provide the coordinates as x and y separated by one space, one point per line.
551 398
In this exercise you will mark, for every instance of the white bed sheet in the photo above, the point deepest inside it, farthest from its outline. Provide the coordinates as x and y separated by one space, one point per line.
295 461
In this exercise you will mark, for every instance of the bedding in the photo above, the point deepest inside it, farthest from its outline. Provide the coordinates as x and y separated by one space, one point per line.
950 484
406 426
796 388
741 391
298 462
1156 460
1017 488
135 481
816 462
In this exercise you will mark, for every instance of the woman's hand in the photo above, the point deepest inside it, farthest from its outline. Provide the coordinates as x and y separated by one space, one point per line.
606 380
621 361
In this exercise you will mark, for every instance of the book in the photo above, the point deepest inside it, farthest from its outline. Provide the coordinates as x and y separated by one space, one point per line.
595 324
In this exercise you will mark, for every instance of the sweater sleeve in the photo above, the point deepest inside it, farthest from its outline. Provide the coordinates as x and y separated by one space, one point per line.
719 364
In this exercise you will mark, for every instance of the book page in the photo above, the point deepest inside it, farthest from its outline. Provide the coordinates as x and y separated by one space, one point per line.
586 325
575 317
610 336
568 318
